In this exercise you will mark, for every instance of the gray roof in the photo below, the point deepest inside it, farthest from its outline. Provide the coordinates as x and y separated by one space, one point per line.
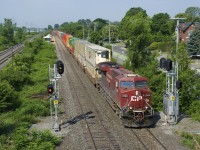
184 26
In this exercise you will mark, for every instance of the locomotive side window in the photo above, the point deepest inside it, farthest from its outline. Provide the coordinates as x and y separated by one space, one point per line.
105 54
140 84
127 84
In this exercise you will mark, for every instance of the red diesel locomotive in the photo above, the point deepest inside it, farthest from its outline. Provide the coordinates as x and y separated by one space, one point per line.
127 93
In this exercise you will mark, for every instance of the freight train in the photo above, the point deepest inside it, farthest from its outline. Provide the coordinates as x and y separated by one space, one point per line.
127 93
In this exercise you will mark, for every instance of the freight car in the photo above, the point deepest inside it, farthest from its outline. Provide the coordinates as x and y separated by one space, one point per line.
127 93
89 56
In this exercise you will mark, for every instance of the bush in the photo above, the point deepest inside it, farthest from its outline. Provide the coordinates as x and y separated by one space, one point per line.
35 108
8 97
34 140
191 140
194 110
28 77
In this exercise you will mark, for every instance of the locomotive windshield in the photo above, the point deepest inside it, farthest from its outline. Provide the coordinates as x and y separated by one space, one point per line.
140 84
126 84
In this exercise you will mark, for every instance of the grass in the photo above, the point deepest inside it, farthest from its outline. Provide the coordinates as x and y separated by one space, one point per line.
15 124
191 140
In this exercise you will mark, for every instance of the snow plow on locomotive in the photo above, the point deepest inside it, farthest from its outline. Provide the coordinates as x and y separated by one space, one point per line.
127 93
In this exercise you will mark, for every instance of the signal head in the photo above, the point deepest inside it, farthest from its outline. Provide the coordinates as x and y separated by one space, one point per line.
50 89
60 67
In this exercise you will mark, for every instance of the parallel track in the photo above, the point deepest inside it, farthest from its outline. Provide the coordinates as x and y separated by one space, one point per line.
8 53
148 139
96 134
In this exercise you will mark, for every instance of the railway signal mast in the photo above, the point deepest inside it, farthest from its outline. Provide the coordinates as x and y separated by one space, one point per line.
171 95
53 90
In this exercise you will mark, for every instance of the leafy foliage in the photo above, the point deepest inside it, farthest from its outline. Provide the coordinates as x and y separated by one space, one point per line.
194 43
24 139
73 28
160 23
194 110
8 97
193 11
191 140
14 129
136 29
114 30
95 37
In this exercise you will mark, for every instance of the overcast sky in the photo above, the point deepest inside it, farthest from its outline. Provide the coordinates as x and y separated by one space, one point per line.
41 13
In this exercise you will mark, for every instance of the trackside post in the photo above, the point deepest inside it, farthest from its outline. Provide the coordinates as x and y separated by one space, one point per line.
53 90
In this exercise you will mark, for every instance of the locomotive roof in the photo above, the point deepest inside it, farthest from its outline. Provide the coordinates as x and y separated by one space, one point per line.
84 42
105 66
98 48
121 73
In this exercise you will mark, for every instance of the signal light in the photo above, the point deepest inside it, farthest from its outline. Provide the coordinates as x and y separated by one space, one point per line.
162 63
178 84
168 65
50 89
60 67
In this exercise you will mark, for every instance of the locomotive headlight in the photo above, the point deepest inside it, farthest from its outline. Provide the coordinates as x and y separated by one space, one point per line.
136 92
146 107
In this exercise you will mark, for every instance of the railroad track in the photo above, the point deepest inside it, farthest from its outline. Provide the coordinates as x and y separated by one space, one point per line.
8 53
96 135
148 139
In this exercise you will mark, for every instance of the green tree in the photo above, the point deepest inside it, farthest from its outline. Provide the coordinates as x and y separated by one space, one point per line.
188 17
193 46
114 30
191 87
50 27
8 30
84 22
160 23
73 28
99 23
19 35
136 29
7 34
95 37
134 17
8 97
135 11
56 26
193 11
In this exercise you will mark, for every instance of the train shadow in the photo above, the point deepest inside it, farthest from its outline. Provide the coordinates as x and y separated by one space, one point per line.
77 119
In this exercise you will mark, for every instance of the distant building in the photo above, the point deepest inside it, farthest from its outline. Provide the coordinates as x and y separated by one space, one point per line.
186 29
48 38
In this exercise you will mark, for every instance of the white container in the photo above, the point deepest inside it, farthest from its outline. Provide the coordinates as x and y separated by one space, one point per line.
95 54
79 51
